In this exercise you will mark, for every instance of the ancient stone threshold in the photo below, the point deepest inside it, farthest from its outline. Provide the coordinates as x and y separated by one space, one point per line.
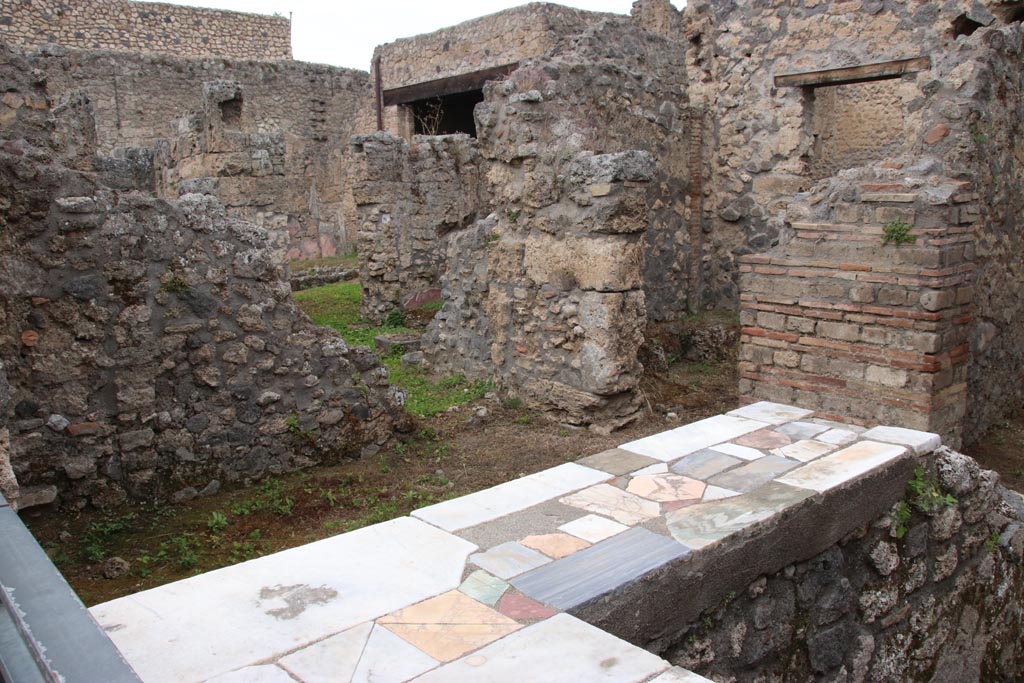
517 582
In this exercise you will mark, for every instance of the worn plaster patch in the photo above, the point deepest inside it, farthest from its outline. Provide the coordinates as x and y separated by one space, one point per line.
296 599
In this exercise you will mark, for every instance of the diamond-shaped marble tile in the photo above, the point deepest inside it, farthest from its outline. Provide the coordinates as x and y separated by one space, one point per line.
718 493
753 474
666 488
842 466
772 413
693 437
556 545
660 468
593 528
448 626
508 560
804 450
556 650
704 464
702 525
837 437
615 503
599 569
484 587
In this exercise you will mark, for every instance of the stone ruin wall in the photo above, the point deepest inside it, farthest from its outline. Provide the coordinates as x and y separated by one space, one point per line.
935 598
770 144
153 27
301 115
494 40
546 291
152 347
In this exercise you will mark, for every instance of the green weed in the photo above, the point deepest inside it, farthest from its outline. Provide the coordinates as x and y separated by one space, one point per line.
898 233
217 522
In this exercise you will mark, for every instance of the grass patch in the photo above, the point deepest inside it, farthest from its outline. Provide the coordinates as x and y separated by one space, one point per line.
337 306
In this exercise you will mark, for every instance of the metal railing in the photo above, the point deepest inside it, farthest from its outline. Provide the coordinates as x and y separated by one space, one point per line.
46 634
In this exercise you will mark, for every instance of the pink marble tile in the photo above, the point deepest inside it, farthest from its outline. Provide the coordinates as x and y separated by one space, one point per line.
519 607
555 546
665 488
763 438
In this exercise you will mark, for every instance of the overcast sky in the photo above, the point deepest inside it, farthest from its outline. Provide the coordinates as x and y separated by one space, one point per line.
344 33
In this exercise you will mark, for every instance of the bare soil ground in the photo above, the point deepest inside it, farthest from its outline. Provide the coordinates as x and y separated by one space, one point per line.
448 455
1002 450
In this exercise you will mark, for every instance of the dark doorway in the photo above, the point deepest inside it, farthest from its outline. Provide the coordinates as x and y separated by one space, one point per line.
446 114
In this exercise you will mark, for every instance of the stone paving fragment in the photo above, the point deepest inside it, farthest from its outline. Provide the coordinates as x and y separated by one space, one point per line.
772 413
616 461
615 503
521 608
221 621
593 528
484 587
448 626
843 466
918 442
508 560
255 674
802 430
763 438
555 546
366 654
660 468
539 654
678 675
676 443
666 488
837 437
512 496
601 568
737 451
704 464
753 474
703 525
718 493
804 451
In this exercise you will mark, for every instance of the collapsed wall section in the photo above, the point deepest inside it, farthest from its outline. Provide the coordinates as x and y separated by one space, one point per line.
146 27
268 138
152 347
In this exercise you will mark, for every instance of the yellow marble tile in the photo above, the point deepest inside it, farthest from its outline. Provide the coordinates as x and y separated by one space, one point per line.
555 546
445 642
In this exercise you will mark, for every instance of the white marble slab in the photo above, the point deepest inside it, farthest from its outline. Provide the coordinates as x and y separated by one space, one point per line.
513 496
718 493
678 675
842 466
741 452
254 674
365 654
772 413
593 528
556 650
258 610
838 437
660 468
676 443
609 501
805 450
919 442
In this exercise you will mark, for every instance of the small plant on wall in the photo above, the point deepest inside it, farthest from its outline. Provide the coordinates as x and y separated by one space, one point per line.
898 233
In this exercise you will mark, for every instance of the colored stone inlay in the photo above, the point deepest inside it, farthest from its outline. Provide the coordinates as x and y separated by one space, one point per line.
763 438
615 503
741 452
616 461
508 560
691 438
805 450
753 474
802 430
843 466
602 568
704 464
593 528
484 587
521 608
666 488
555 546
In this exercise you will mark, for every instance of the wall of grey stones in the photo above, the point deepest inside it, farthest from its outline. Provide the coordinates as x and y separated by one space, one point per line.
309 110
126 25
152 347
931 595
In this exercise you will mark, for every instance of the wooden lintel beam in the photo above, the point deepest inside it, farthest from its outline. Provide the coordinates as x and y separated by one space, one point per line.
446 86
854 74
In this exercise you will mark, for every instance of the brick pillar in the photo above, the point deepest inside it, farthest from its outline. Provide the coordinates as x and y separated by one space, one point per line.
836 322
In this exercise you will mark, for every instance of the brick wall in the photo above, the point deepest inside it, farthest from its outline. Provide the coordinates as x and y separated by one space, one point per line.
145 27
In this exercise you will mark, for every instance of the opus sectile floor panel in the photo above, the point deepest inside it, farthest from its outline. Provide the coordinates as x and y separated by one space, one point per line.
476 588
